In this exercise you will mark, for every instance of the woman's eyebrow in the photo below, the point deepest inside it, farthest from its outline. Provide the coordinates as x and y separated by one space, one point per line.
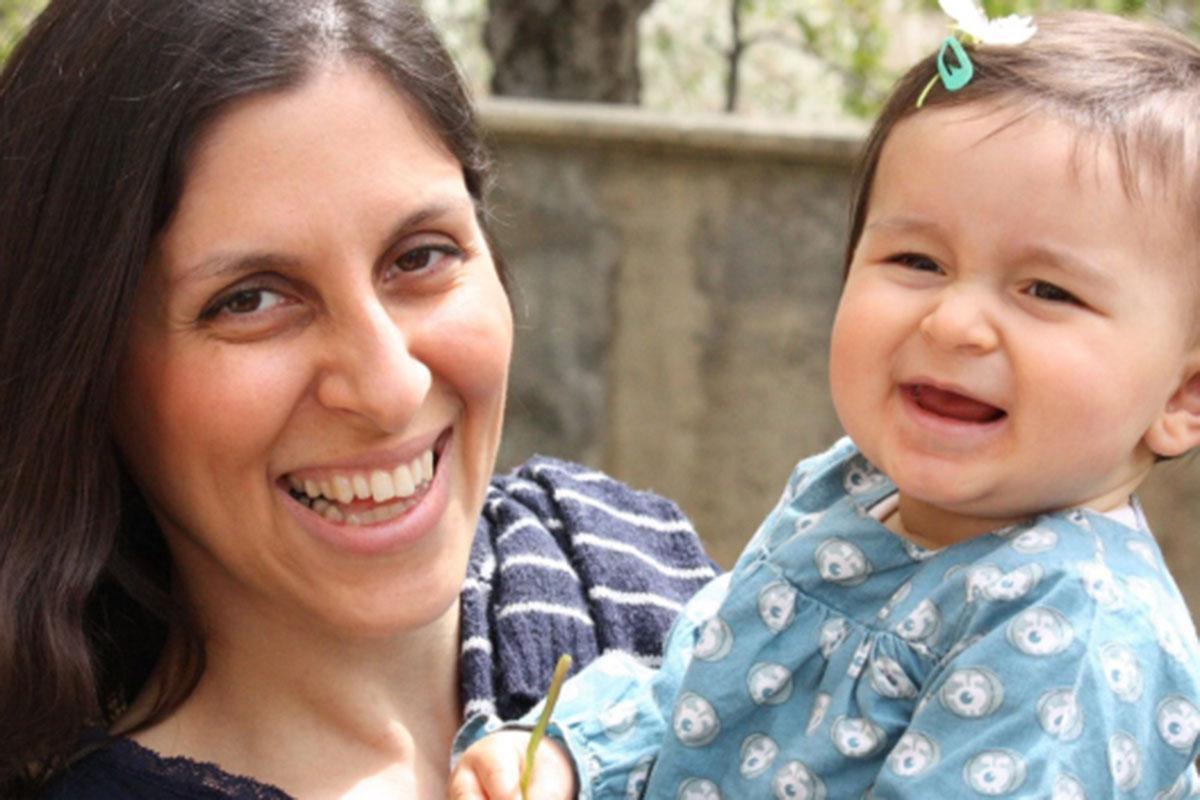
226 265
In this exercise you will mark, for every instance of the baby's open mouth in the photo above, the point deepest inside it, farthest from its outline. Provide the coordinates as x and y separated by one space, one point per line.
366 498
952 405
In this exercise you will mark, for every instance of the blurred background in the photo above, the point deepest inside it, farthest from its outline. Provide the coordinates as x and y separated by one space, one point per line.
672 195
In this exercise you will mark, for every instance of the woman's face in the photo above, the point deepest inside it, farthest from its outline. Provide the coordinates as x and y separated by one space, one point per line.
322 326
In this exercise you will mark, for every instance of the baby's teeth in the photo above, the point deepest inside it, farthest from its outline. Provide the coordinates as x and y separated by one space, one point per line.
404 481
381 486
343 488
362 489
327 489
312 489
427 464
333 514
320 505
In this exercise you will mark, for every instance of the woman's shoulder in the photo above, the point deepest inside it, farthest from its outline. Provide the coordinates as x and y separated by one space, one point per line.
121 769
569 560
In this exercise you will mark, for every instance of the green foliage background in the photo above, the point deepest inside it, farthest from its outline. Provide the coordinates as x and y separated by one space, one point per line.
15 15
851 38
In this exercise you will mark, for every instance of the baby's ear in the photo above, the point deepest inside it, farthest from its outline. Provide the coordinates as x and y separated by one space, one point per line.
1177 429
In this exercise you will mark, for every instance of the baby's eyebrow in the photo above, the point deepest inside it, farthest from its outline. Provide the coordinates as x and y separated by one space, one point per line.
902 222
1067 261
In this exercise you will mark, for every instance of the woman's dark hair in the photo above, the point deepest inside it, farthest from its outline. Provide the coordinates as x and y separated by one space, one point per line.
100 105
1132 85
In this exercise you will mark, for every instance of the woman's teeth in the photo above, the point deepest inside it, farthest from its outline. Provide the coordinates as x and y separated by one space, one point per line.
399 484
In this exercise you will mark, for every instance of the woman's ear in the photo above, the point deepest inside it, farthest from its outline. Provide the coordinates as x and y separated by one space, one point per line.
1177 429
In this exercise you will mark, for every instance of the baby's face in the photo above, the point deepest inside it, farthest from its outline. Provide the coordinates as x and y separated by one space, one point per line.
1013 328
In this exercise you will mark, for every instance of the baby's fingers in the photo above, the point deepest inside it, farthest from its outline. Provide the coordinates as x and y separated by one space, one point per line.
490 769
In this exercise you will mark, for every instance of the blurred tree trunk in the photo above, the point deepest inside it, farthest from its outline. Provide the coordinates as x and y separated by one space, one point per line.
565 49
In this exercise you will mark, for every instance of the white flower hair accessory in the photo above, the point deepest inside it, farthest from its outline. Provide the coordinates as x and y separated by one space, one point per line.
970 19
973 25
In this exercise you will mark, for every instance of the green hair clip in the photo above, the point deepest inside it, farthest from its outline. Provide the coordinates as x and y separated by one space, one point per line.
974 27
952 76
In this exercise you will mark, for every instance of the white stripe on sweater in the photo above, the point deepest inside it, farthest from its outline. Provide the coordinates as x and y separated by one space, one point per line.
688 573
633 598
480 644
538 607
584 476
535 560
476 585
640 520
519 525
480 705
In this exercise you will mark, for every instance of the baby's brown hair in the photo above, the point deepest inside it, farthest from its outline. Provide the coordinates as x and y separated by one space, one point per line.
1129 84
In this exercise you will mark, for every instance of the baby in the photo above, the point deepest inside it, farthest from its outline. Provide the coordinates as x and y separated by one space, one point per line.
961 598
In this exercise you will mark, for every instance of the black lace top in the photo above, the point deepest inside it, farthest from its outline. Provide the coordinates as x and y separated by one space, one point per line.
125 770
608 567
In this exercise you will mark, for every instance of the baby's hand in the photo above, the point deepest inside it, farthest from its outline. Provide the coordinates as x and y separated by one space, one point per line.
491 770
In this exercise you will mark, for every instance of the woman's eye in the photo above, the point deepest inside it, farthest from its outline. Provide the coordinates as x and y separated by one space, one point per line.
916 261
424 257
1048 291
244 302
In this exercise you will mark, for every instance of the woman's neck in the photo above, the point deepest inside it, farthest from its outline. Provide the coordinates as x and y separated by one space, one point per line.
324 717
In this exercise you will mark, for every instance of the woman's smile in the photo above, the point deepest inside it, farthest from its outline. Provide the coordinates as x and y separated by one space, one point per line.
371 510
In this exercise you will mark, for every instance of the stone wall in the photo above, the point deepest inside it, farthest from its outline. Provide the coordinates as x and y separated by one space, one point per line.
675 281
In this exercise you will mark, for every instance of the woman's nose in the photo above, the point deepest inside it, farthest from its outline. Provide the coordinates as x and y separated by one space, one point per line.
373 371
959 320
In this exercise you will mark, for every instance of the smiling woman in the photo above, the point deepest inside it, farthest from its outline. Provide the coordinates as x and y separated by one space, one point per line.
255 351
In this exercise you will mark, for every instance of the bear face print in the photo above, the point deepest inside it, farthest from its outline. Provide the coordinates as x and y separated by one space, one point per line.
971 692
769 684
694 721
922 624
861 477
777 605
1040 631
795 781
1178 722
856 737
714 640
995 772
698 789
913 755
1124 761
841 562
1122 671
758 753
890 680
1034 540
1060 714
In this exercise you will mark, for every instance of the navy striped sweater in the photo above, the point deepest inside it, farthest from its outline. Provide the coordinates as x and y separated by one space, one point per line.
568 560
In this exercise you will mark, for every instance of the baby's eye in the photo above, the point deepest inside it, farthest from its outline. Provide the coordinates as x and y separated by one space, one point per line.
916 261
1054 294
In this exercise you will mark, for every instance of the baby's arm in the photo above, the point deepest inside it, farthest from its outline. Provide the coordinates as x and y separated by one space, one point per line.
491 770
612 717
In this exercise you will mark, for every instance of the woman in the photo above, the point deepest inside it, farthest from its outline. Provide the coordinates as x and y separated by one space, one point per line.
254 357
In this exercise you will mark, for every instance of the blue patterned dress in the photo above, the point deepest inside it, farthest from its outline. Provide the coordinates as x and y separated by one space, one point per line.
1051 659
